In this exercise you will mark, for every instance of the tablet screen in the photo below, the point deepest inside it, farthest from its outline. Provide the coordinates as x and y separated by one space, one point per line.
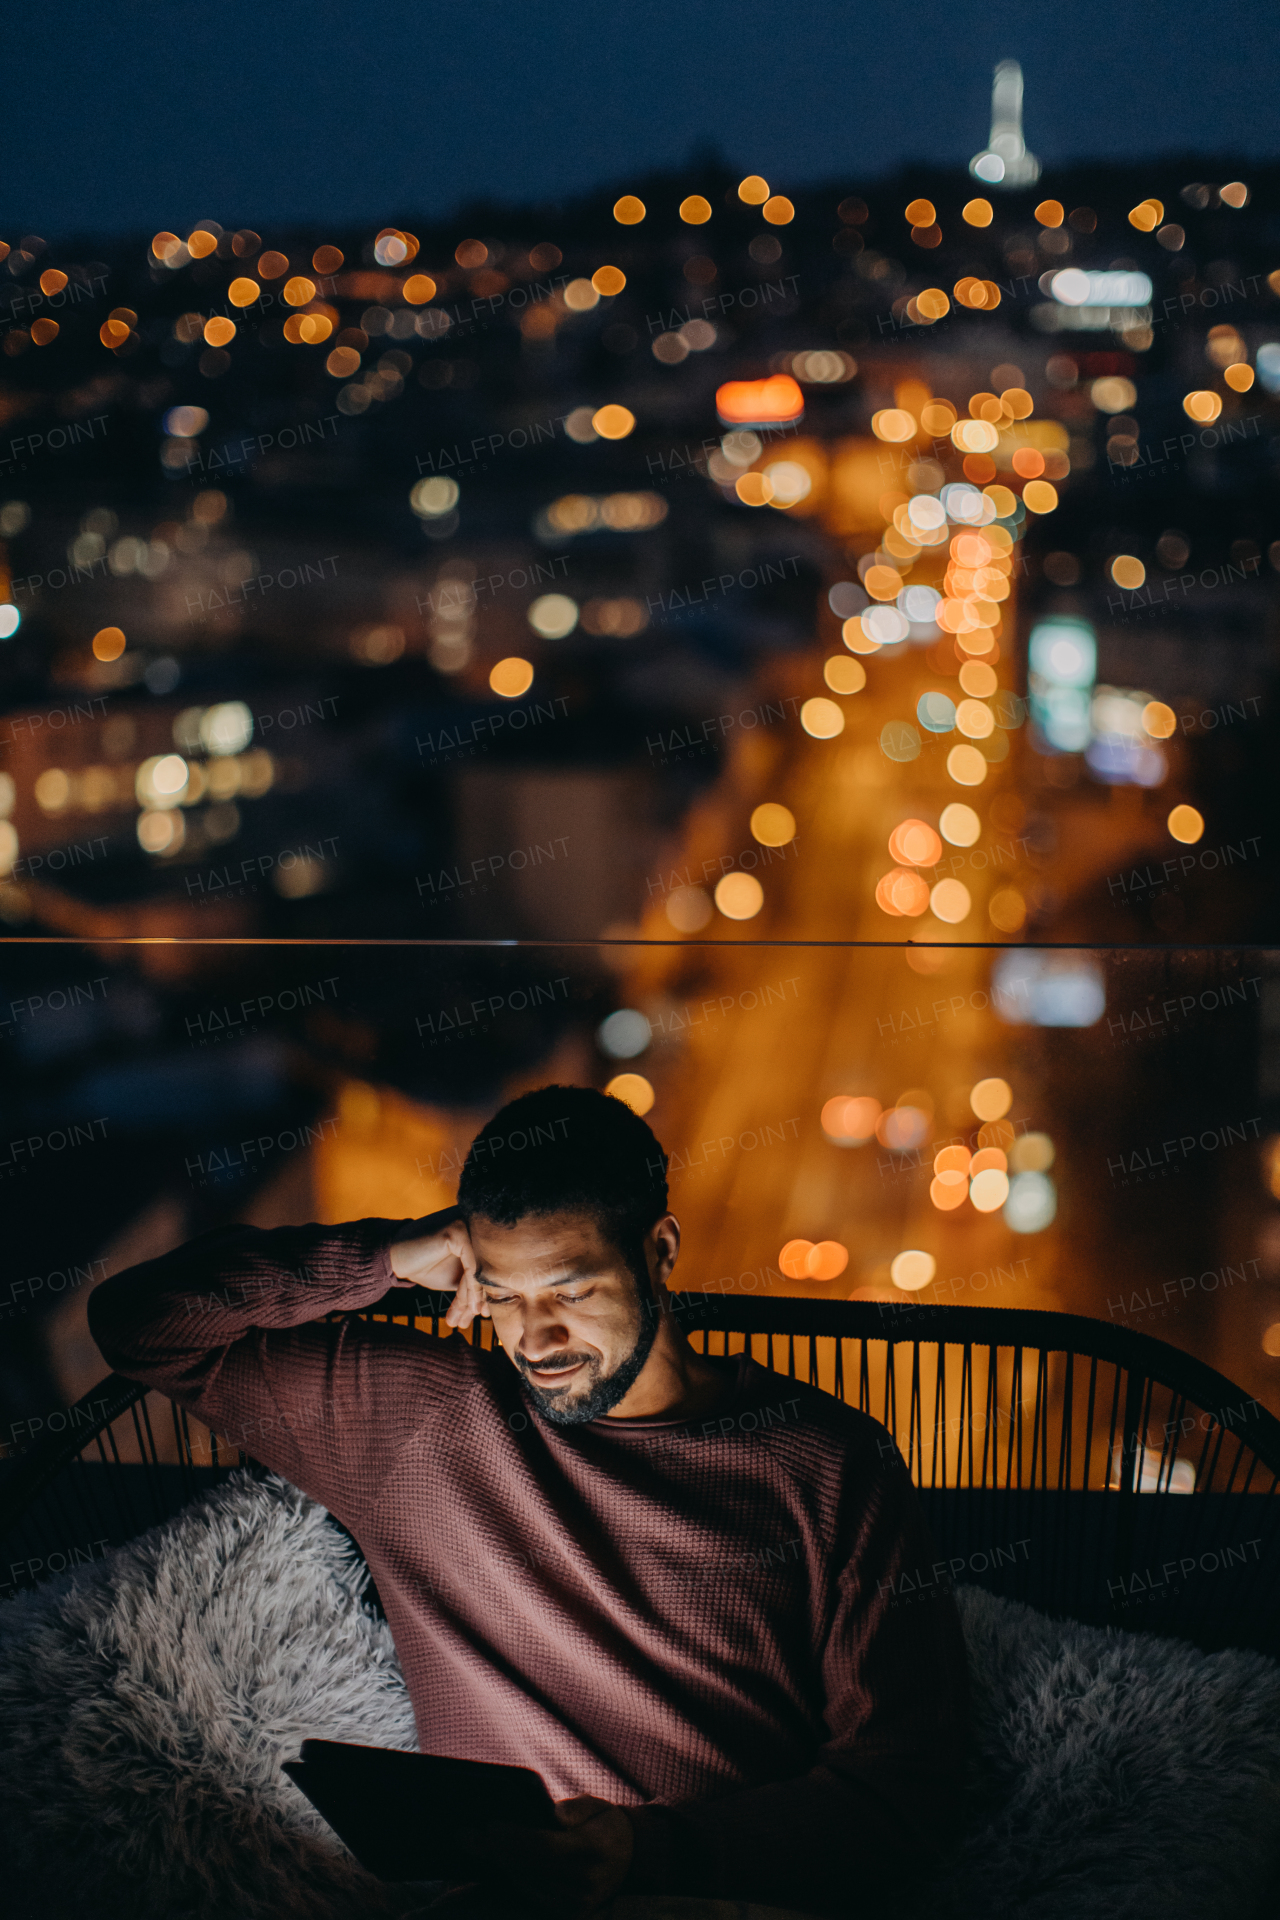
401 1813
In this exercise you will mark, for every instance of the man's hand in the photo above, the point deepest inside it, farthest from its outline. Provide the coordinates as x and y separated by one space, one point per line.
445 1262
570 1874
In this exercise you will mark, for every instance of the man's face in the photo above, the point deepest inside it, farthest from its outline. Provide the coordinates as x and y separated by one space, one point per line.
566 1307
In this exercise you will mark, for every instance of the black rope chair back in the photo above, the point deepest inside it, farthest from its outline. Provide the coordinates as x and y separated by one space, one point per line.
1089 1470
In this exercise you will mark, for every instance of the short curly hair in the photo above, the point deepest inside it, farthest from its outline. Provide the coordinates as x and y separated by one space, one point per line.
568 1147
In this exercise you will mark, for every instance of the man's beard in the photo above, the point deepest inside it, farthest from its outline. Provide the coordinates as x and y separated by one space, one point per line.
603 1393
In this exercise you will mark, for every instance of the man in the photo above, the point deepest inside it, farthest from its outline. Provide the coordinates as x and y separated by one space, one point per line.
663 1581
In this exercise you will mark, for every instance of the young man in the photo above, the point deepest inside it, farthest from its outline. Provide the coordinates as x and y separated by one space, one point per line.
664 1582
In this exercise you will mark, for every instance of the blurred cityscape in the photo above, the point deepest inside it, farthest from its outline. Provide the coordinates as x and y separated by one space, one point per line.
808 662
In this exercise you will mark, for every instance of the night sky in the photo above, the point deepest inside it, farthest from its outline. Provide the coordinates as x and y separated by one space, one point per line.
156 113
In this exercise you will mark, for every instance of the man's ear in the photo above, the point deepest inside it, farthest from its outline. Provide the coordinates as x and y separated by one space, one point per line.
662 1249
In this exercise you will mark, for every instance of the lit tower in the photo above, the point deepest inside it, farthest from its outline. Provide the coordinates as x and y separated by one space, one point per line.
1005 162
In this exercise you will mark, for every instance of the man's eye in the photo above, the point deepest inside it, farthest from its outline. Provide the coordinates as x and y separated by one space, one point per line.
506 1299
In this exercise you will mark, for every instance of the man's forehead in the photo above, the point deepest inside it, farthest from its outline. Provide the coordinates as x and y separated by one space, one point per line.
541 1243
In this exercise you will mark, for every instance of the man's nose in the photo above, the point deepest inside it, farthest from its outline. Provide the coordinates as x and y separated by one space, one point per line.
544 1334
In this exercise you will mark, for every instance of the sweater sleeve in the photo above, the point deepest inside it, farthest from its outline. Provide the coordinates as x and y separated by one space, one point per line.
230 1326
884 1792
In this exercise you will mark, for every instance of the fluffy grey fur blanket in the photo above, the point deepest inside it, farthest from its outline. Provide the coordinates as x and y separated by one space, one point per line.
146 1704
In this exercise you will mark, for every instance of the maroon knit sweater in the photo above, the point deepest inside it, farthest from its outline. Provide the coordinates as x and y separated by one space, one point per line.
693 1620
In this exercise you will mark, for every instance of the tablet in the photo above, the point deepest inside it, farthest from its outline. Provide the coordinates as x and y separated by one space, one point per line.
401 1813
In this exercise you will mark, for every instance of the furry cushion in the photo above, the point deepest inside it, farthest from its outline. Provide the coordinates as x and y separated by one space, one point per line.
147 1701
1117 1776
